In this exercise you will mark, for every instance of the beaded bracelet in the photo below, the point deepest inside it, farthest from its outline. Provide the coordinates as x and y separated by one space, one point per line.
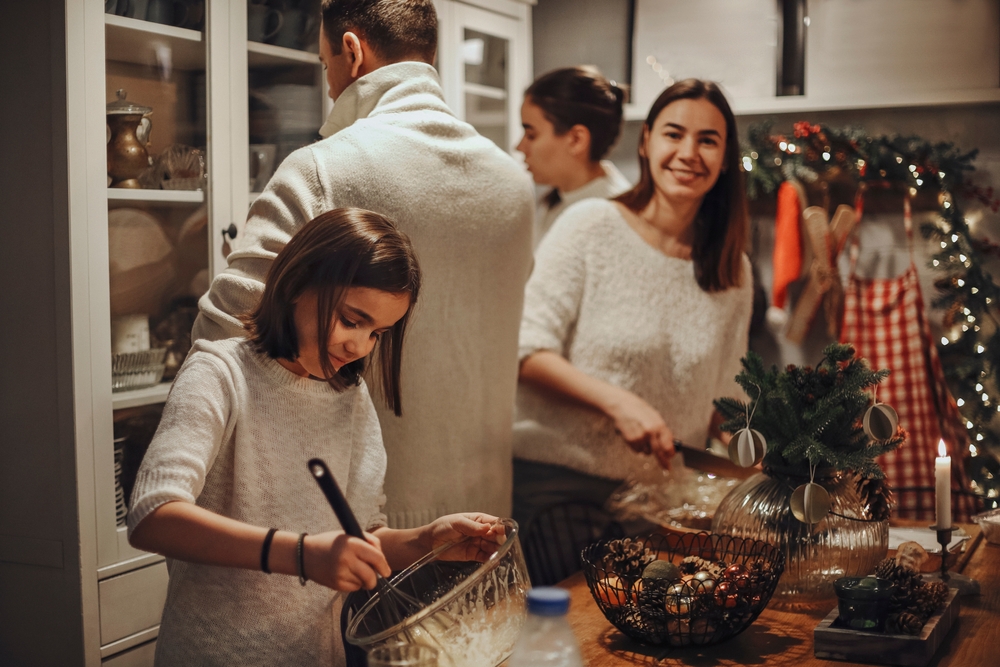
265 551
300 558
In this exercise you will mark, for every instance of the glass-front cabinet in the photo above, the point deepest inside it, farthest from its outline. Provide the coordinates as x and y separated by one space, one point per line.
198 102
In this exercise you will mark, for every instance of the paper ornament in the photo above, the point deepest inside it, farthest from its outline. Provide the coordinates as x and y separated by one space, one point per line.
880 422
810 503
747 447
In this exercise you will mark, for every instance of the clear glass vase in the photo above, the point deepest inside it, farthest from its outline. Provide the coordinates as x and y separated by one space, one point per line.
845 543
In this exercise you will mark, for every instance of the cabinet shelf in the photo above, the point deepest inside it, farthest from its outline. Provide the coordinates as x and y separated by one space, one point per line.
268 55
138 397
156 196
805 104
147 43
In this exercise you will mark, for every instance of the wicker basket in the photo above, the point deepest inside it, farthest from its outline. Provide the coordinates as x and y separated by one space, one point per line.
691 610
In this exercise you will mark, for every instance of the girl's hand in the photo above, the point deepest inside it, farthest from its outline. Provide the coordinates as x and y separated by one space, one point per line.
642 427
487 533
344 563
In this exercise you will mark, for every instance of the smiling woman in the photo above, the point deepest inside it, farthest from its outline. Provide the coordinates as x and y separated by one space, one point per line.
637 312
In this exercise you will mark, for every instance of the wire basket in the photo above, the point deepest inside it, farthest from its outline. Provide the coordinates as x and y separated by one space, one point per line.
721 586
135 370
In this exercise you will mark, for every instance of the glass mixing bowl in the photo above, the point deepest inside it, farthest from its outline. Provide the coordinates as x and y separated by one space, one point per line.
473 613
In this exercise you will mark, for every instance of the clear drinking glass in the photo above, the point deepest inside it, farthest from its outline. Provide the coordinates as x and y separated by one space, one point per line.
403 655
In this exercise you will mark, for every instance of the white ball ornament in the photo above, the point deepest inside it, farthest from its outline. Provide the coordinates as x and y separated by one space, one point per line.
880 422
747 448
810 503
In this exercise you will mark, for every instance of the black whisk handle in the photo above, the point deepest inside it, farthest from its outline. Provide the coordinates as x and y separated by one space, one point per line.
336 497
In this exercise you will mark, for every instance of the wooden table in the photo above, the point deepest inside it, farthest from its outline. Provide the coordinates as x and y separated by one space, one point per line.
785 638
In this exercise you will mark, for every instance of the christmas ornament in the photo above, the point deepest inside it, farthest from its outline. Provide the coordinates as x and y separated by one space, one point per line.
810 502
661 569
880 422
703 582
748 447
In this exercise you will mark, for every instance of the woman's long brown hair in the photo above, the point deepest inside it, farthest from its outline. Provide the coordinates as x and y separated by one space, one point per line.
721 226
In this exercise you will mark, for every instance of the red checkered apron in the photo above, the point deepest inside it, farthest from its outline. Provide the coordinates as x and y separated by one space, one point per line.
887 323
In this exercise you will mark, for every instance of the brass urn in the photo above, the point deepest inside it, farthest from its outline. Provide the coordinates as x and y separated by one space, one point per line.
128 131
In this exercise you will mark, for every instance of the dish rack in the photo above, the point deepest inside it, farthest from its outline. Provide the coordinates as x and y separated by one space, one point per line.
135 370
121 508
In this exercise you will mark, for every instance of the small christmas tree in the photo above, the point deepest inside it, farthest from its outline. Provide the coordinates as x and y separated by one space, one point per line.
813 417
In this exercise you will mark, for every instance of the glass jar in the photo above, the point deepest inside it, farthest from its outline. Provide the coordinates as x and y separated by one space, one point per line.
845 543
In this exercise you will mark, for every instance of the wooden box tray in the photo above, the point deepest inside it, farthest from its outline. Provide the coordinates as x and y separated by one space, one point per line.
835 642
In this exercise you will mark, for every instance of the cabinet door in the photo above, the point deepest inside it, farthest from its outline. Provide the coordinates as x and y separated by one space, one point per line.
904 50
163 167
278 77
485 67
731 42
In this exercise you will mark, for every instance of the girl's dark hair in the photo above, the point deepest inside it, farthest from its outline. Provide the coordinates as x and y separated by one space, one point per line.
721 227
581 96
340 249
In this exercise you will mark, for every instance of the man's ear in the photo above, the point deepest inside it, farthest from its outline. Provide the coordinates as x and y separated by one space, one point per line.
351 44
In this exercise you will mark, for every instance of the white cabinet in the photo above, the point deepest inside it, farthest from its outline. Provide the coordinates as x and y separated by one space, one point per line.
485 64
78 253
858 53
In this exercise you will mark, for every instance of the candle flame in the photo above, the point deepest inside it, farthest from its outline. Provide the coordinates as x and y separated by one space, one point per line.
942 451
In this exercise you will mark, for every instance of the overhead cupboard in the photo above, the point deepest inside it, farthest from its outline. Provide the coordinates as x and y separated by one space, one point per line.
177 114
774 56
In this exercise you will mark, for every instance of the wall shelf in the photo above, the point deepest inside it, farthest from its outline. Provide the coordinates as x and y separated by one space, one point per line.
156 196
805 104
139 397
147 43
268 55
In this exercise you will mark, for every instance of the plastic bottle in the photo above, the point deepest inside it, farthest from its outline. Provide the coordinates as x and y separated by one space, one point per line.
546 639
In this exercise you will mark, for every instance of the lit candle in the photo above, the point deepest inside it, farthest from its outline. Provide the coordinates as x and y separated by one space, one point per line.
942 487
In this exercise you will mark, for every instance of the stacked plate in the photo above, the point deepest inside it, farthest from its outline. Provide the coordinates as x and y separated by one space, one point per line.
135 370
121 508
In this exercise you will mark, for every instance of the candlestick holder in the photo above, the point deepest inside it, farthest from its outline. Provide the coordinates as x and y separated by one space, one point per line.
965 585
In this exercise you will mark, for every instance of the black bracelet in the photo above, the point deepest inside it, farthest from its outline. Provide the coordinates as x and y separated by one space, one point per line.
300 553
265 551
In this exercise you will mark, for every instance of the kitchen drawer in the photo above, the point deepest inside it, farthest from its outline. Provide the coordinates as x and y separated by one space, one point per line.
132 602
140 656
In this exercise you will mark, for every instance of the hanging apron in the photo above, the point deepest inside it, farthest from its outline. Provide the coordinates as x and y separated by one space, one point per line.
887 323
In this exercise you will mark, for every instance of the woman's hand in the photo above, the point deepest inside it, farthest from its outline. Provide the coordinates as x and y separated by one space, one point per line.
487 533
344 563
642 427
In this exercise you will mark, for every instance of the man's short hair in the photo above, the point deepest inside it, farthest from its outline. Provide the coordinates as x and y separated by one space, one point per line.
395 30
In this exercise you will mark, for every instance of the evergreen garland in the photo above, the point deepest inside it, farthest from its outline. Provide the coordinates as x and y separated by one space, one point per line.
969 294
811 416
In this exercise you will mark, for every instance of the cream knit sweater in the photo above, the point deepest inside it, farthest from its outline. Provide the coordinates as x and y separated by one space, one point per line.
611 184
236 433
623 312
398 150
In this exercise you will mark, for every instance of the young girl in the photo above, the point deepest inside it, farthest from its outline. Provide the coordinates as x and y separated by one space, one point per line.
224 491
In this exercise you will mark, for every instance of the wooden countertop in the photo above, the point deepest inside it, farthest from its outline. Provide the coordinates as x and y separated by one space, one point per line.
779 638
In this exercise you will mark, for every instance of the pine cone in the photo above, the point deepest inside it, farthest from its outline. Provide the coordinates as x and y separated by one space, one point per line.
627 558
929 598
905 584
877 496
904 623
652 600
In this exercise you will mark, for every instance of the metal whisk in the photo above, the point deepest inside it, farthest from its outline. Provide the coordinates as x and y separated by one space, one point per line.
398 605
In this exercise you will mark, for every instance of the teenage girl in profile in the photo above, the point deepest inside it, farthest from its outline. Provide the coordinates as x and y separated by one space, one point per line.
224 490
571 118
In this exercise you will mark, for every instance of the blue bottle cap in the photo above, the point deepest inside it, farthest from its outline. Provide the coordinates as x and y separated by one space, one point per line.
548 601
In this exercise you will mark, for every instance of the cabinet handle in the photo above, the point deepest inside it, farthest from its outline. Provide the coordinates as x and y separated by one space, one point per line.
229 231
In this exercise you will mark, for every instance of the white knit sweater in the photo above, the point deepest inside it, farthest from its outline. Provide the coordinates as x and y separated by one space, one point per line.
467 207
623 312
236 433
611 184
